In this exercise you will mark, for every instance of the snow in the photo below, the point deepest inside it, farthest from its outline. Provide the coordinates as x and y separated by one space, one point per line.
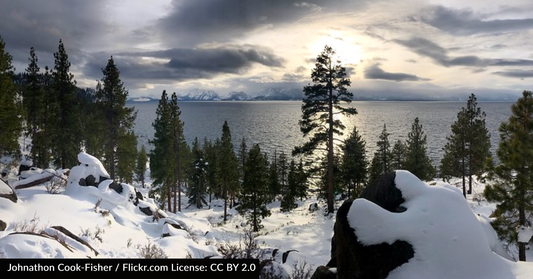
451 236
448 239
525 234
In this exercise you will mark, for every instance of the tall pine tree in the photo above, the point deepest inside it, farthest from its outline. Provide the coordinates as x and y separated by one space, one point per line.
416 158
322 101
10 122
197 189
66 125
140 166
227 168
181 151
509 182
117 131
381 162
254 193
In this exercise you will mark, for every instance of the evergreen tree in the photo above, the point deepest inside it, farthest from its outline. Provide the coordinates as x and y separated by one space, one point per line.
65 113
243 153
468 147
34 102
197 189
126 155
417 160
111 97
273 177
290 189
398 156
381 162
161 160
10 122
254 194
321 102
228 168
510 181
211 156
283 169
140 167
181 152
301 181
354 166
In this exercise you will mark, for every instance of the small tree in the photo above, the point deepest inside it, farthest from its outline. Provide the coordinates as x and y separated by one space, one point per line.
468 147
140 167
254 194
510 181
417 160
381 162
354 165
398 155
197 189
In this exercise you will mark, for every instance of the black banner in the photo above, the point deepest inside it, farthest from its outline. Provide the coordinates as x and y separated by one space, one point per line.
186 268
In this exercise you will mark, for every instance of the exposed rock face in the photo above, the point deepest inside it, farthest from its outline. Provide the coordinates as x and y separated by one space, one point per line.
3 226
352 259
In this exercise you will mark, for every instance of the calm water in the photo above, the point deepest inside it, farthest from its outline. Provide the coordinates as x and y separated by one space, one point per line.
274 124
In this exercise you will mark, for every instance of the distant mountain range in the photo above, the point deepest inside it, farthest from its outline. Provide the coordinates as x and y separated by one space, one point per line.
272 94
296 94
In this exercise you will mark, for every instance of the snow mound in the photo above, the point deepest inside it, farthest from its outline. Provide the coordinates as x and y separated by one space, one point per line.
448 239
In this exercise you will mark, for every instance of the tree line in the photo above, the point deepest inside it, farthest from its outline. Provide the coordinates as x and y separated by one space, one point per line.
62 120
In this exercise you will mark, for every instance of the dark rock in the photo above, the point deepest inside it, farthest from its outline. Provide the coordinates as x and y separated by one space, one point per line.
116 186
324 272
139 195
146 210
3 226
24 167
286 254
313 207
356 261
91 180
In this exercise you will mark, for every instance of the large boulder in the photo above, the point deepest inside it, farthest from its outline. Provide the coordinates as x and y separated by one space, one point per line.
356 261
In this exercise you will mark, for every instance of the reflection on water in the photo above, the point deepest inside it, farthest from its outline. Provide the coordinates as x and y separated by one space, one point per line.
274 124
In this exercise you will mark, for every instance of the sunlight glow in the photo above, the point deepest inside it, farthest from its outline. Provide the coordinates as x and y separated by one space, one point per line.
347 50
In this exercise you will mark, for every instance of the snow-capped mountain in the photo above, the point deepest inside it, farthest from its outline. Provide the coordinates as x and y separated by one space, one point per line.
237 96
199 95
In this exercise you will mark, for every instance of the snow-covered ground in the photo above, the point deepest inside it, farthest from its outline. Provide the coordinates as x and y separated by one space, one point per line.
113 226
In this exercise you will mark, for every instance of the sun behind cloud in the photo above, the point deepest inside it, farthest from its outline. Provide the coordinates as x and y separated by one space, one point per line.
347 50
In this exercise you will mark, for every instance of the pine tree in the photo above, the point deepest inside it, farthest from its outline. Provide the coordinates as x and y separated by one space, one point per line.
283 169
197 189
161 163
10 122
274 186
509 183
381 162
140 167
211 156
468 147
243 153
228 168
321 102
111 97
126 155
301 181
254 194
181 151
65 113
290 189
416 158
34 102
354 166
398 155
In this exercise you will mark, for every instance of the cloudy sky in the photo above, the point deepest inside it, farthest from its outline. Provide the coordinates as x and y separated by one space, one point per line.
418 47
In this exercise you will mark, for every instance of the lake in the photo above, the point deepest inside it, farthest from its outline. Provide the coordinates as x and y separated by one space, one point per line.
274 124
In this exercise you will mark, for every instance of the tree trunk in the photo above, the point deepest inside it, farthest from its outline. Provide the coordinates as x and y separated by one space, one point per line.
464 177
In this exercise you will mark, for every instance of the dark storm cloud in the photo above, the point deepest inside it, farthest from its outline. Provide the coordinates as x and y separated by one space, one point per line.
190 22
375 72
27 23
465 22
439 55
185 64
515 73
